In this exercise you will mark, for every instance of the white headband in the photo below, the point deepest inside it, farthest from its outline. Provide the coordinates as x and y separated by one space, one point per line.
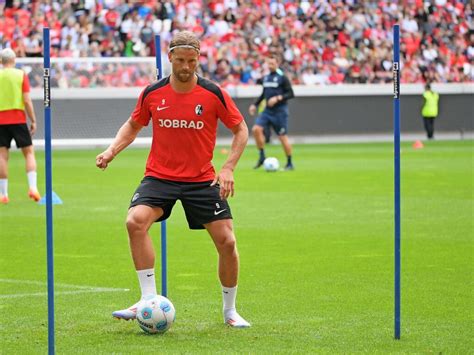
183 46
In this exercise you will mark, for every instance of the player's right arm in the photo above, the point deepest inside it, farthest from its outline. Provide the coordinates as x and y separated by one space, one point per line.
254 106
139 118
30 111
125 136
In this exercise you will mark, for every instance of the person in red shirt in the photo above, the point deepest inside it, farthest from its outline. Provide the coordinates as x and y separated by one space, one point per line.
14 101
184 109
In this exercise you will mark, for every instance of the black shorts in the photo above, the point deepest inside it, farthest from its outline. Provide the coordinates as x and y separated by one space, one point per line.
201 202
18 132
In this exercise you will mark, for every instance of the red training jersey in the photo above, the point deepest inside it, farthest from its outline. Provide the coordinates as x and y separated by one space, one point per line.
16 116
184 128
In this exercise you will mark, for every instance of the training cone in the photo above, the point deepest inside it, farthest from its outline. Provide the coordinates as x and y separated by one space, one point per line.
418 145
56 200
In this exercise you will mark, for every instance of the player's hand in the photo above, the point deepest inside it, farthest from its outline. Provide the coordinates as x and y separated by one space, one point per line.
103 159
32 128
252 110
225 178
272 101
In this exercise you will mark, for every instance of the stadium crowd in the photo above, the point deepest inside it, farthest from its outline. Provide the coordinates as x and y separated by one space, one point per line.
320 42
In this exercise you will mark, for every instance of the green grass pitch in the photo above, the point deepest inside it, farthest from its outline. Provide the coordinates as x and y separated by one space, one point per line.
316 248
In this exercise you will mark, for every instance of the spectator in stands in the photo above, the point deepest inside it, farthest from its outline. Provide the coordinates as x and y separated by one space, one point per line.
344 36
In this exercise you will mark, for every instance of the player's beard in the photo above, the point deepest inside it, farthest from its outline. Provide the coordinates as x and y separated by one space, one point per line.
184 76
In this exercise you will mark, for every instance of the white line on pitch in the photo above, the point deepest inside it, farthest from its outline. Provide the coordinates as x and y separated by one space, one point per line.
56 284
64 292
79 289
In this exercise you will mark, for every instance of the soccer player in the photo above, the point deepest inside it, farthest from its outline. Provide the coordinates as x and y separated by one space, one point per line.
184 109
14 101
277 91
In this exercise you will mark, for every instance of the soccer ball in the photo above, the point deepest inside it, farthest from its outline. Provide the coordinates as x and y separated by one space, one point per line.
155 314
271 164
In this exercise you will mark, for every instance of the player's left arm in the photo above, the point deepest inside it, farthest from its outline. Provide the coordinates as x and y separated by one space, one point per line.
287 89
225 177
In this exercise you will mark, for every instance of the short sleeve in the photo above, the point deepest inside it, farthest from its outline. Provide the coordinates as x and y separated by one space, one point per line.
26 84
229 114
141 114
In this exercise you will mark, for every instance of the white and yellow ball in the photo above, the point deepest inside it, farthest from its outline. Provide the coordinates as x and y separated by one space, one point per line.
271 164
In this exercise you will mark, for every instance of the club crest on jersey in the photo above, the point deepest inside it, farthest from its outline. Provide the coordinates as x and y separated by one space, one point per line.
198 110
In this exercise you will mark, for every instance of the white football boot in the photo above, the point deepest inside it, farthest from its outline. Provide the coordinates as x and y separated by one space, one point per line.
128 313
233 319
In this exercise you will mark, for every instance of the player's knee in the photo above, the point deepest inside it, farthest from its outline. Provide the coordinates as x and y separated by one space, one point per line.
283 138
28 151
228 245
257 129
135 224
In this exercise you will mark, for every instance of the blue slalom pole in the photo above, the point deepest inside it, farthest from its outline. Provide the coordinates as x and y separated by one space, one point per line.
164 283
49 188
396 139
159 74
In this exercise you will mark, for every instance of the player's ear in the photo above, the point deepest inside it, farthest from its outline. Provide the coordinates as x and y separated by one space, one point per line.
169 56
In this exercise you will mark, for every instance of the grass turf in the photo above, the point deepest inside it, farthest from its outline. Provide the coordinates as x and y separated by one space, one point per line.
316 248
